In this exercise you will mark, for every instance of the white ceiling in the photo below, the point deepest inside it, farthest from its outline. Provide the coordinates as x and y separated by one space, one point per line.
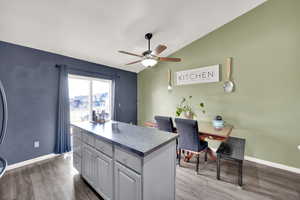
95 30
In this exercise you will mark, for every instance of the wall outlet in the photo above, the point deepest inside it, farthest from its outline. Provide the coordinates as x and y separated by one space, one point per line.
36 144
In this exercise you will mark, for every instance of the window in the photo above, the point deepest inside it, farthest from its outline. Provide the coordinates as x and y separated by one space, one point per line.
87 95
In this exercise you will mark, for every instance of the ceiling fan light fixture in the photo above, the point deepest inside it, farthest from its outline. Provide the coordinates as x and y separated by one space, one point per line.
150 58
149 62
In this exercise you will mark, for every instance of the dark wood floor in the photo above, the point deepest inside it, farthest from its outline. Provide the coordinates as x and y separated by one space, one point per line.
56 180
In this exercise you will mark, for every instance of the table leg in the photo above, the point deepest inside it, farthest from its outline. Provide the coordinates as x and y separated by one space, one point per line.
240 173
197 164
188 157
218 166
179 156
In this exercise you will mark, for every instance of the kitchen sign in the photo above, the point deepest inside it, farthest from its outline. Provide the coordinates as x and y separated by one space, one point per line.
207 74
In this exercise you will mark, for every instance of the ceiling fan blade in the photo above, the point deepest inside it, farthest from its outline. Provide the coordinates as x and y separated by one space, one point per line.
133 62
169 59
160 48
132 54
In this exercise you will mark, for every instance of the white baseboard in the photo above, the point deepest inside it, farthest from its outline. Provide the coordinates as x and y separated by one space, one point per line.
31 161
272 164
252 159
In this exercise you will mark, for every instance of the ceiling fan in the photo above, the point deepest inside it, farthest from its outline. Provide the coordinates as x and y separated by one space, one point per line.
150 58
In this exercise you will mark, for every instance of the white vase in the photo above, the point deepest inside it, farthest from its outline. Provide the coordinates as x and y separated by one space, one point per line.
189 115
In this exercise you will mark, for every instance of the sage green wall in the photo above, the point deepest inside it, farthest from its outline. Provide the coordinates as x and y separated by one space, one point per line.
265 108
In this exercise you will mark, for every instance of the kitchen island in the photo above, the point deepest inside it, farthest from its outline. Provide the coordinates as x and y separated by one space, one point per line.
125 162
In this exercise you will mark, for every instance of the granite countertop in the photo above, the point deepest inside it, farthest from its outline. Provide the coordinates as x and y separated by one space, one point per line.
140 140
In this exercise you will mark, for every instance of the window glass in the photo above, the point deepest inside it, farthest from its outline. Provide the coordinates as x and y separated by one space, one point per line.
102 97
79 99
87 95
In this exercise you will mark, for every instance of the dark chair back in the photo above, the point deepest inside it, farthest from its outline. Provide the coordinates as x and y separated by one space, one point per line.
188 135
164 123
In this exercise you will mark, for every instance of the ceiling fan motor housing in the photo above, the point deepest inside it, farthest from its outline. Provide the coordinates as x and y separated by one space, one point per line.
148 52
148 36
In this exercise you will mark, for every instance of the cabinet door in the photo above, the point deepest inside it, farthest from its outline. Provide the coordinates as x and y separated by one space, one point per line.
127 183
77 144
75 132
77 162
88 164
104 176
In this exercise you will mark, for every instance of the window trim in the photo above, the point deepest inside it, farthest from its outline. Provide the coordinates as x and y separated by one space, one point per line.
91 79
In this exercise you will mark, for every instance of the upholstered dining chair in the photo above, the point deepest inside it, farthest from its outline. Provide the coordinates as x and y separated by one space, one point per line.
166 124
189 139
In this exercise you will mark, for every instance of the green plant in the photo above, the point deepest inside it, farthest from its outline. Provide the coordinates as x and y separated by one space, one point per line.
185 107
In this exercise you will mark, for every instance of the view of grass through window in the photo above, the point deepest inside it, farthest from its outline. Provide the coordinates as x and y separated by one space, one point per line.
87 95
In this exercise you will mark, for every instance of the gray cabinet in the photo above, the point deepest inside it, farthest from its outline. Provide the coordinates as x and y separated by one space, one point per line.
127 183
88 166
77 146
77 162
77 149
116 173
96 169
104 175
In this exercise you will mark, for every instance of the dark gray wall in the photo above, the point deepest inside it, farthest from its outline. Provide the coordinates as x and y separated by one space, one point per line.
31 83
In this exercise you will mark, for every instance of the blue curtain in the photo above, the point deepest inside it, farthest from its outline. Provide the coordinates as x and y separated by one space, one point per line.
114 102
63 138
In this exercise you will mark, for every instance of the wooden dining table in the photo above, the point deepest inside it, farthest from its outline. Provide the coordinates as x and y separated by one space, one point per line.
206 132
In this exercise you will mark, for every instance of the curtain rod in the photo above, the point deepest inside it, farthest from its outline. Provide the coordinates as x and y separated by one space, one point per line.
86 71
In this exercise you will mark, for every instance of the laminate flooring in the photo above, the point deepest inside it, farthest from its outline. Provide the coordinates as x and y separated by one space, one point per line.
55 179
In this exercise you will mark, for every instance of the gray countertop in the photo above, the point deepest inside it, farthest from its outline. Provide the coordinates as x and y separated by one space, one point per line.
140 140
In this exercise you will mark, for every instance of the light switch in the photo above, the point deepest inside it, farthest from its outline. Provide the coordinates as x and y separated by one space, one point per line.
36 144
